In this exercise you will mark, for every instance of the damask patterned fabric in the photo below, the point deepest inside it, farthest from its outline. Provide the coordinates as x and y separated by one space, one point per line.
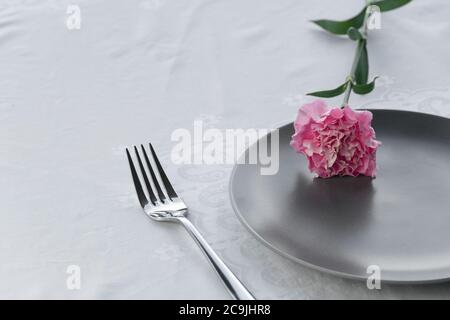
75 93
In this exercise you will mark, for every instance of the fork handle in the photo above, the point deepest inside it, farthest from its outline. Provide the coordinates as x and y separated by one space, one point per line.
232 283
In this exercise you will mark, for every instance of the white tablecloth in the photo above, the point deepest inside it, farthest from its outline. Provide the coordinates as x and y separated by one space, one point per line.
71 100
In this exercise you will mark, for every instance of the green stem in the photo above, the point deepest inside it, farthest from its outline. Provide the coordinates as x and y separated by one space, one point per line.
360 46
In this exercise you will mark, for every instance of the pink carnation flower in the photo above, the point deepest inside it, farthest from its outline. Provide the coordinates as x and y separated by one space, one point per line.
336 141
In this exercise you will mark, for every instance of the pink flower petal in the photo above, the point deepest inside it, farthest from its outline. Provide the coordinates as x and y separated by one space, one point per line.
335 141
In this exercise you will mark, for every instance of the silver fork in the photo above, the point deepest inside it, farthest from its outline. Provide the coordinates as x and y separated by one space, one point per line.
161 203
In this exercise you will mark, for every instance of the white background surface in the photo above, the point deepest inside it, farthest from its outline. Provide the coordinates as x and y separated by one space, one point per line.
70 101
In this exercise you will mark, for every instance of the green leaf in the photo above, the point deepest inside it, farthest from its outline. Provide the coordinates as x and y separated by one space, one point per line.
364 88
387 5
354 34
341 27
362 68
330 93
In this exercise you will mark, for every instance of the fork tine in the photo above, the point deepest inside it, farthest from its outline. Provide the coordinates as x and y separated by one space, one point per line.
170 191
137 184
161 195
145 176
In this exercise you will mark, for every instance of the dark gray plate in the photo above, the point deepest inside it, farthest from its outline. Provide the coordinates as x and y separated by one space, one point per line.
399 221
